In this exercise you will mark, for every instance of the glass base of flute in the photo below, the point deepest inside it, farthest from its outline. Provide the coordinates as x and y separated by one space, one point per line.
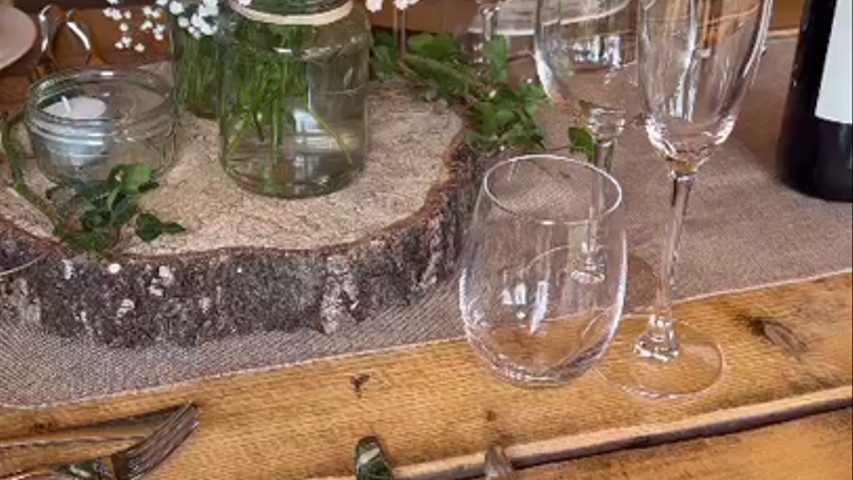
693 367
654 355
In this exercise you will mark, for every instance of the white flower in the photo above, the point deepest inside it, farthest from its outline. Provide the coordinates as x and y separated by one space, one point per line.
156 13
147 25
208 29
126 40
139 47
158 36
208 10
176 8
162 3
196 21
374 5
119 45
244 3
113 2
147 11
124 27
128 14
183 22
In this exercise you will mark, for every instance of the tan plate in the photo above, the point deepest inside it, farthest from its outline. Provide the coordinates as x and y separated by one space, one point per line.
17 35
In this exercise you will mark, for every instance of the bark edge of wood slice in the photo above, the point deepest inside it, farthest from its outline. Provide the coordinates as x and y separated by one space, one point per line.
188 296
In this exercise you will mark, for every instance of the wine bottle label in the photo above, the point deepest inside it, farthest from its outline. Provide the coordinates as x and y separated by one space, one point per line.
835 100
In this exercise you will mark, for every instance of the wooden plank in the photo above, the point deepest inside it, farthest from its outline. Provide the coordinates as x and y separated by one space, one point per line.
813 448
789 352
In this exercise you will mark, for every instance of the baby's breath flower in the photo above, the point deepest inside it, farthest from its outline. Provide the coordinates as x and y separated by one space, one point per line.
176 8
376 5
139 47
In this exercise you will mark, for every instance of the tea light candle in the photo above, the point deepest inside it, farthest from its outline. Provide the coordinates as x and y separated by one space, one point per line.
77 108
82 123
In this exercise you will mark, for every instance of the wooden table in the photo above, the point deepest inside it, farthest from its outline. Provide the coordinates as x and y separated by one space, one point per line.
782 411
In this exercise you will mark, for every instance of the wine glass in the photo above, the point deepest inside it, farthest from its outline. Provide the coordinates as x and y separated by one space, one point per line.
584 53
584 50
698 58
525 314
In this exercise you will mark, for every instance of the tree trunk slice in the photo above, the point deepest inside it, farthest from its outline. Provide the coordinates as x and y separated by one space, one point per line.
251 263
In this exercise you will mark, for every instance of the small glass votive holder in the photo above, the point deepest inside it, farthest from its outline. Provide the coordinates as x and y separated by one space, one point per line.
82 123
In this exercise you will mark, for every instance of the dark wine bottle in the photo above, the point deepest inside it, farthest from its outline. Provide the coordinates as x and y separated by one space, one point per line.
815 154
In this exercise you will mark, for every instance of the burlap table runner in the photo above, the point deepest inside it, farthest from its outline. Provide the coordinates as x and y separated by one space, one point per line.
745 230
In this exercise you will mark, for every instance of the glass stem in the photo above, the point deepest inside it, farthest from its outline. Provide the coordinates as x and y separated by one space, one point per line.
489 11
602 159
404 36
659 341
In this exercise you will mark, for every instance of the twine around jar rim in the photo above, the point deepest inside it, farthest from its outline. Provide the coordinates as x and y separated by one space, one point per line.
318 12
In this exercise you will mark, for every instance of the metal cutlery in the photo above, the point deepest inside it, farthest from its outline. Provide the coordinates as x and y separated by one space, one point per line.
132 428
129 464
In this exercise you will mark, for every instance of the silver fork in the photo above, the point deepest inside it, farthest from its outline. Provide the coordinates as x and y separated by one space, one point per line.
129 464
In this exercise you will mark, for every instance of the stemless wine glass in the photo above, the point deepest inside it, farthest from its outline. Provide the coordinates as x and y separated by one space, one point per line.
525 314
698 58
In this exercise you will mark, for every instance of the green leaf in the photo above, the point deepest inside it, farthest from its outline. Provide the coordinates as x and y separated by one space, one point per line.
124 211
417 43
95 219
149 227
496 53
582 142
442 46
384 39
370 461
147 187
174 228
85 241
134 176
384 62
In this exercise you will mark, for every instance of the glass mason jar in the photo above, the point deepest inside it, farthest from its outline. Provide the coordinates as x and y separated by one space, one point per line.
194 63
294 90
84 122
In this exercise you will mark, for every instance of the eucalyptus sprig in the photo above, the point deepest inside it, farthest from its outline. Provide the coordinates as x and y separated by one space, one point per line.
92 219
500 114
96 215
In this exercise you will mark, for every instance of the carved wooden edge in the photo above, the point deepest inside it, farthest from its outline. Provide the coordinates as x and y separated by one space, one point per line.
139 300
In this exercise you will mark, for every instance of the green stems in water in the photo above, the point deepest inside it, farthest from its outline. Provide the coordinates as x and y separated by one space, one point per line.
268 84
195 64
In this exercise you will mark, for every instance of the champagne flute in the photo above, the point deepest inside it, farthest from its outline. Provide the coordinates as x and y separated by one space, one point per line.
698 59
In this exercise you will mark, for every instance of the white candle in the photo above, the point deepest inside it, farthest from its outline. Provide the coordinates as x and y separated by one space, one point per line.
77 108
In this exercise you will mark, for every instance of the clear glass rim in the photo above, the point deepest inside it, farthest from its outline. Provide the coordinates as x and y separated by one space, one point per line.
611 207
37 90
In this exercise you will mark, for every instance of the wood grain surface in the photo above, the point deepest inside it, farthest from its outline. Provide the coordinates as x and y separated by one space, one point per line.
813 448
788 348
